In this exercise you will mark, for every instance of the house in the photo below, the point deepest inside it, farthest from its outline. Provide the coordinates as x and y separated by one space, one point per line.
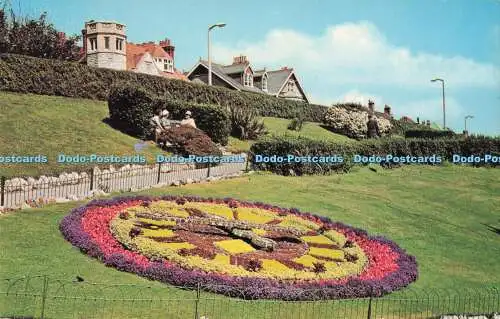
105 46
240 76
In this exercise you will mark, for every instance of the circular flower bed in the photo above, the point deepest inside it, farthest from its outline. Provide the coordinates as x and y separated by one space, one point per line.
240 249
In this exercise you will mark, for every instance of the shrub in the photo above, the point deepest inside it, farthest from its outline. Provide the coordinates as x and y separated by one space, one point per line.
190 141
428 133
245 124
296 124
211 119
282 146
352 122
131 108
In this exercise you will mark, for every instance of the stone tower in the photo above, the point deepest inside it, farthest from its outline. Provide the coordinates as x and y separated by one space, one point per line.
105 45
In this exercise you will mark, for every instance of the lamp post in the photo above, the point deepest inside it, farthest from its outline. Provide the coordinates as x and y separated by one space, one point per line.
444 104
217 25
465 121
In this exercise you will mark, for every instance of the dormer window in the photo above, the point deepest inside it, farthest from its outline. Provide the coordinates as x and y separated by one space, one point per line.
248 79
264 82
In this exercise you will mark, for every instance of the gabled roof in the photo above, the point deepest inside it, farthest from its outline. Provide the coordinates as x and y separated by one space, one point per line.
134 55
219 71
234 68
277 79
259 73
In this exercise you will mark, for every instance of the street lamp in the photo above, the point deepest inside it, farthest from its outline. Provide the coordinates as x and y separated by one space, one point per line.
465 121
444 104
217 25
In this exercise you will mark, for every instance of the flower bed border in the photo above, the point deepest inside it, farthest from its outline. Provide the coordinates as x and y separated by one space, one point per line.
248 288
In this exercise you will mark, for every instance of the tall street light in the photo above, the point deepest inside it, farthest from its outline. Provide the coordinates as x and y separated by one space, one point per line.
444 104
217 25
465 121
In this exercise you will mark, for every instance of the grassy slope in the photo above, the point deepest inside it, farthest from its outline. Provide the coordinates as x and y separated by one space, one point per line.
38 124
277 126
35 124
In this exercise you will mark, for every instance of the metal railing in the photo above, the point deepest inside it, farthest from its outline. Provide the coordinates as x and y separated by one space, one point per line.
73 186
45 297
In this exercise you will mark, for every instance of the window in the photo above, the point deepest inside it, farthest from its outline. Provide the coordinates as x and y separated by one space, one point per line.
106 42
93 43
119 44
290 86
169 65
264 83
248 79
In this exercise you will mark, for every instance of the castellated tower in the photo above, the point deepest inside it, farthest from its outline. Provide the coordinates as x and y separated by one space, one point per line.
105 45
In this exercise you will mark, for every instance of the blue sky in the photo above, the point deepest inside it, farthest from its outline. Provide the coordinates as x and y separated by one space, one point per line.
348 50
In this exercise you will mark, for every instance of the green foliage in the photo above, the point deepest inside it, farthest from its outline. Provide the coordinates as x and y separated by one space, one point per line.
35 37
131 108
245 123
429 133
190 141
300 146
297 123
399 127
211 119
52 77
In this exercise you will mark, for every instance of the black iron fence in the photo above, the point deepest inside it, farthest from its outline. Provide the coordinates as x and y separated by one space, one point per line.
15 192
44 297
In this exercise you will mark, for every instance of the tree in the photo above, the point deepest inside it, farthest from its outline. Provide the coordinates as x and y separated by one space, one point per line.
4 32
35 37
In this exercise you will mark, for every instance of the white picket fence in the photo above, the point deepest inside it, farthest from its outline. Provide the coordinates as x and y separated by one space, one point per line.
20 192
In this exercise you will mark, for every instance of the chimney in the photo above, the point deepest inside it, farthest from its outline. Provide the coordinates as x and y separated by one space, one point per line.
240 59
168 47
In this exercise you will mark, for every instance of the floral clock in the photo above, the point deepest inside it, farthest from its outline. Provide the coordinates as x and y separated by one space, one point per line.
238 248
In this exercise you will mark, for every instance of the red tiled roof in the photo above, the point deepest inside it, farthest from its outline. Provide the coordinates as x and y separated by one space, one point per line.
136 51
134 55
156 51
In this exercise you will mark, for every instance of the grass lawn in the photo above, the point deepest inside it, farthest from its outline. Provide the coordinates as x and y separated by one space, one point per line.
49 125
277 126
438 214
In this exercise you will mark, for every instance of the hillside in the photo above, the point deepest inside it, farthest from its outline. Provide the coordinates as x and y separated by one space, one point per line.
49 125
278 126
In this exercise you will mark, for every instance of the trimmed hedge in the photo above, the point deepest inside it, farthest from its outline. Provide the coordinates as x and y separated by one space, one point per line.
53 77
423 133
131 108
300 146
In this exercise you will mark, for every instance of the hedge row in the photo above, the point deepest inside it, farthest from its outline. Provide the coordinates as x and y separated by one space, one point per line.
300 146
53 77
131 107
426 133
